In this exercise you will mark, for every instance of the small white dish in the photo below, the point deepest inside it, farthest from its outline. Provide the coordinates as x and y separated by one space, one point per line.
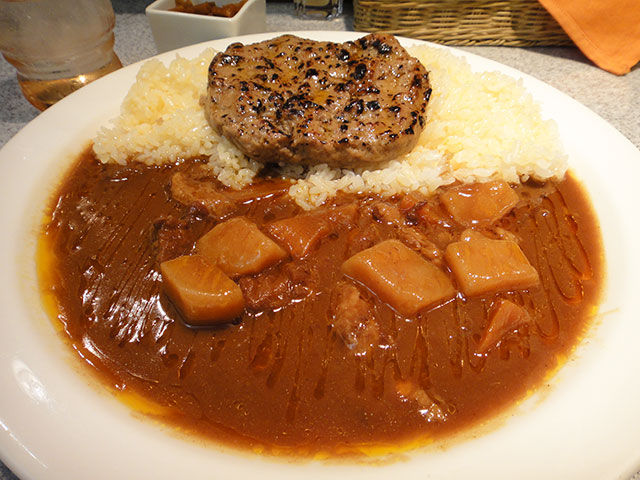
173 30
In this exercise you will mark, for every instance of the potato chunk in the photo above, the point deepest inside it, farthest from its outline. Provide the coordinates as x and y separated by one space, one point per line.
238 247
300 234
482 265
479 204
201 291
505 318
399 276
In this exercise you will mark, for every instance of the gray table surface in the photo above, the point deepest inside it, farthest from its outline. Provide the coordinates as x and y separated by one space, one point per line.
616 99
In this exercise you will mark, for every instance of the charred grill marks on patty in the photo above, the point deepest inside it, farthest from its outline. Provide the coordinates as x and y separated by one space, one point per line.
301 101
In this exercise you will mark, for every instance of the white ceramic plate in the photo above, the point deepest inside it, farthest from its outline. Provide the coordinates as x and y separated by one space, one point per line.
55 423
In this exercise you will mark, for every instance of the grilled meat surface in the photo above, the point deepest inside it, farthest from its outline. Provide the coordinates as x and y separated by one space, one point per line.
301 101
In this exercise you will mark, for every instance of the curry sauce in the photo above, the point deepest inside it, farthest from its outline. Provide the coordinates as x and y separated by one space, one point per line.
281 377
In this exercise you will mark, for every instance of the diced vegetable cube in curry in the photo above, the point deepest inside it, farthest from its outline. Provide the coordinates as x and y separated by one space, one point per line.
300 234
238 247
479 204
505 318
203 294
399 276
481 265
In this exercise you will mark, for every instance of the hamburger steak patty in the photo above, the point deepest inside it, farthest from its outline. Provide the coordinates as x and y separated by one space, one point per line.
301 101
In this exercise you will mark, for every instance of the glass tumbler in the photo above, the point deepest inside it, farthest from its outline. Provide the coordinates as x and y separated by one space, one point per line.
318 9
57 46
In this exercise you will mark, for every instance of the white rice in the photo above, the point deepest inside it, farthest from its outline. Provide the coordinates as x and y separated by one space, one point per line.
480 127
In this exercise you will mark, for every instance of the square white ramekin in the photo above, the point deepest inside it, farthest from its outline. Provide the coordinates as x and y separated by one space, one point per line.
173 30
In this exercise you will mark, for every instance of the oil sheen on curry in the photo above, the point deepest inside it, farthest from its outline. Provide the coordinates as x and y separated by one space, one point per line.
367 322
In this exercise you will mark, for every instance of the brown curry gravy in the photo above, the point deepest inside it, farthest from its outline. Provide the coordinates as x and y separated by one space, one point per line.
281 380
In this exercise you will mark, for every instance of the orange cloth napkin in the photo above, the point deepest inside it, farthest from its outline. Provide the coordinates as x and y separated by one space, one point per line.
607 31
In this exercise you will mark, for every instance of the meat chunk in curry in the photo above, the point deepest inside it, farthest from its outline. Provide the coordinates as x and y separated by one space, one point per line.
482 265
196 187
300 234
505 318
201 291
431 409
415 239
399 276
238 247
354 320
275 288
